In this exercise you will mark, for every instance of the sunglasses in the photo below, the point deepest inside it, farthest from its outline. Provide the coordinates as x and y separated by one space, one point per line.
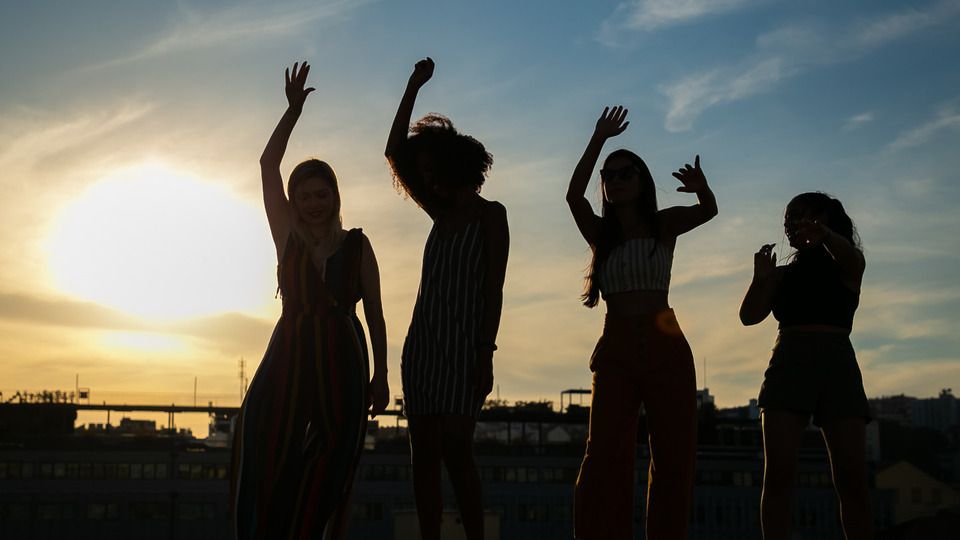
623 173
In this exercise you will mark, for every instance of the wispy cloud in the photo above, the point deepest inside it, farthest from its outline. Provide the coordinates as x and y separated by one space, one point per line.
857 121
947 119
647 15
691 96
789 51
236 24
33 135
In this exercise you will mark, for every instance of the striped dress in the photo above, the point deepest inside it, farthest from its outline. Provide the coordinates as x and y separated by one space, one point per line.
438 365
300 430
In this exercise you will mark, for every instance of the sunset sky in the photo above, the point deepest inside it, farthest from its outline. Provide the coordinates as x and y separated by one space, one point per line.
134 250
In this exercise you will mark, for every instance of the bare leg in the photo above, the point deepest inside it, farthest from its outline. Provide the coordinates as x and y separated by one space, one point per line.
457 440
426 454
845 438
782 435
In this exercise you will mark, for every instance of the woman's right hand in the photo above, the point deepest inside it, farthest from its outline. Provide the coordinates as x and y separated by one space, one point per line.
422 72
296 93
764 262
611 122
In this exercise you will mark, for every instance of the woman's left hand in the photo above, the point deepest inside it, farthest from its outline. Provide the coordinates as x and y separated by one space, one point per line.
691 177
484 380
378 394
811 232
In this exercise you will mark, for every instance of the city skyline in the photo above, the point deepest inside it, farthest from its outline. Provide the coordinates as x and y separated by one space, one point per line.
135 251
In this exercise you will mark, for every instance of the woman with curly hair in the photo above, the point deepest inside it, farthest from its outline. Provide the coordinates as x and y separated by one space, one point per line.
642 357
447 361
301 426
813 370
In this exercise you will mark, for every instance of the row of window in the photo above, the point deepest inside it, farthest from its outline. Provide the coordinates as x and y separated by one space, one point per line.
374 473
111 471
109 511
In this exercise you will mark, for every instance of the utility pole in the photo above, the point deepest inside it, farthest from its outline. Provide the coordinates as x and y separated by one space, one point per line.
243 379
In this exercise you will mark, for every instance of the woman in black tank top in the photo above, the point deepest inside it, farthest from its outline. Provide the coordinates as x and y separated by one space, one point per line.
447 360
813 370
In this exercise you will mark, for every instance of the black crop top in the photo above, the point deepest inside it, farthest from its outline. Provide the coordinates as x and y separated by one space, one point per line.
812 292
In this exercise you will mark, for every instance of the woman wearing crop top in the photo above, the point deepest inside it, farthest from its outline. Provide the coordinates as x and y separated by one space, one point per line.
813 370
642 356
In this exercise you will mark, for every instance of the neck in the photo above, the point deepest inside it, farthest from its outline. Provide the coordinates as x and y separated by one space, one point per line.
627 215
462 199
321 232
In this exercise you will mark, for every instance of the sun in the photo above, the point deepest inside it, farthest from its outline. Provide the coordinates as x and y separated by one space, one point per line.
160 243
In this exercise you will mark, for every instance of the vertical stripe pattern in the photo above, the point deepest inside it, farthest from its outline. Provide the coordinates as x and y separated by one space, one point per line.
300 430
439 353
632 267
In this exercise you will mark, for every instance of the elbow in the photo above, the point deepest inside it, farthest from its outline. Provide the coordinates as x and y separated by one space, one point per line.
747 318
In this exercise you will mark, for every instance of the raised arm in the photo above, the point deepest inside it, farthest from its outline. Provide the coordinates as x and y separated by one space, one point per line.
610 124
274 199
848 257
373 313
497 239
404 170
677 220
758 302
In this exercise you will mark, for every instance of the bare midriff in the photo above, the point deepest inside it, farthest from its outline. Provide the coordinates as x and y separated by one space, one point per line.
632 303
814 328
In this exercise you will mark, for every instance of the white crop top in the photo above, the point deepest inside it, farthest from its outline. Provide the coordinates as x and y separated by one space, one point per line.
631 267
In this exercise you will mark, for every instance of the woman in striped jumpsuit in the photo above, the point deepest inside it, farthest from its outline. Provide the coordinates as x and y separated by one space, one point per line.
447 362
299 433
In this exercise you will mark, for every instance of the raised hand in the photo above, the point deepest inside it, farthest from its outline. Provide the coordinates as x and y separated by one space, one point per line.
422 71
764 262
692 178
811 232
611 122
296 93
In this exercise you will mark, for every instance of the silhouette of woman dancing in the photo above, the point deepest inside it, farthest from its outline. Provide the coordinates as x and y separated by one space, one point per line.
447 362
301 427
813 370
642 356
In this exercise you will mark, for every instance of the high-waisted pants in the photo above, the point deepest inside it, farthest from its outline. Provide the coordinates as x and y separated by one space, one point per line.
639 360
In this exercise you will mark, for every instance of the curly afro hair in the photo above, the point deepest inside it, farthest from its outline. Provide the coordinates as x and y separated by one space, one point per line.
458 160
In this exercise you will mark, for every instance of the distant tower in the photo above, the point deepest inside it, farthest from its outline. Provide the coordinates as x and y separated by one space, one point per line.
243 379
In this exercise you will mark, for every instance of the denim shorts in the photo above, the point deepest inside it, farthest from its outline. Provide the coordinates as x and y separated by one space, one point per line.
814 373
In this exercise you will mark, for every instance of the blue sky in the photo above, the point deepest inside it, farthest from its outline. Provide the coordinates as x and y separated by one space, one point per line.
859 99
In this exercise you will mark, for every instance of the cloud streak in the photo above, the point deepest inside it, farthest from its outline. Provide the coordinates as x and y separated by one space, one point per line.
236 24
947 119
790 51
649 15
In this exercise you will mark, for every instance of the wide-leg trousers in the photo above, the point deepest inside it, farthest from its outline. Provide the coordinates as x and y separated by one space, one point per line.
639 360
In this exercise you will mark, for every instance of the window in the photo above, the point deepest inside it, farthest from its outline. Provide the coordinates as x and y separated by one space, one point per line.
189 511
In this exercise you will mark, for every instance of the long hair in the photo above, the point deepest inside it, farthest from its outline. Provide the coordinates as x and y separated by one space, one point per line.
837 219
314 168
460 159
611 231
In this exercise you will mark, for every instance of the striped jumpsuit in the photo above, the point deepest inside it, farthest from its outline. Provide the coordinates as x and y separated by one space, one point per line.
300 430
